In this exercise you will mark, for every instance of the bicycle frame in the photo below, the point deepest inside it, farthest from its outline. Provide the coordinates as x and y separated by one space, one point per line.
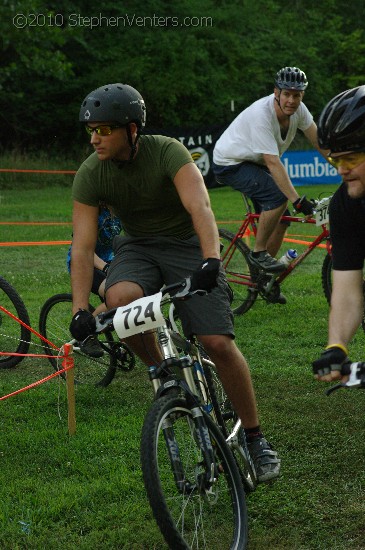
250 224
190 364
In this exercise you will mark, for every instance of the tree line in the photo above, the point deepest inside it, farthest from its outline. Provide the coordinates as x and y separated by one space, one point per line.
192 60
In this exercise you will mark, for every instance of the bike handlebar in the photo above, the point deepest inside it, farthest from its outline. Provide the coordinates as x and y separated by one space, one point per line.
356 373
176 291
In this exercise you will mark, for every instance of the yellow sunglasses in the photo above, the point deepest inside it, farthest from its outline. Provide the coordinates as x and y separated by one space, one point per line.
348 162
104 130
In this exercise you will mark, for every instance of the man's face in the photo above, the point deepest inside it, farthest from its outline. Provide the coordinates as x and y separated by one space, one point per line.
111 146
351 166
289 100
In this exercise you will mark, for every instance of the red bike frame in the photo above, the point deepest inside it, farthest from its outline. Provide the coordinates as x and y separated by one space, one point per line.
249 227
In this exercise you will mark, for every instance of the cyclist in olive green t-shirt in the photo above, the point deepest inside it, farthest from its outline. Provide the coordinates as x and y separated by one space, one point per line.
145 183
154 187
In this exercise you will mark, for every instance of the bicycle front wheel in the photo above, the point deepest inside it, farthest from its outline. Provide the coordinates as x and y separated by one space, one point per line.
14 337
188 515
54 322
238 272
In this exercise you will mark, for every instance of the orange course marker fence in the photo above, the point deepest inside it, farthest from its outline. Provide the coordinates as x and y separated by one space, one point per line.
67 368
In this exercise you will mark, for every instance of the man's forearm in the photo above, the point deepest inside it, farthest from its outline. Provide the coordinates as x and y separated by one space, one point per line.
206 229
82 270
282 180
347 306
281 176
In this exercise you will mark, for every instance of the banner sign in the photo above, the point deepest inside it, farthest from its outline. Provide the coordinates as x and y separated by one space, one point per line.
309 167
303 167
200 142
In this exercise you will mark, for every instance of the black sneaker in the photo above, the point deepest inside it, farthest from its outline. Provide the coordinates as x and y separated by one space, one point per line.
276 298
265 459
91 346
266 262
281 299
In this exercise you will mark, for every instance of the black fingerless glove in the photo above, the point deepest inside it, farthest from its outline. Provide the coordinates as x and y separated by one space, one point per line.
332 358
205 278
82 325
303 206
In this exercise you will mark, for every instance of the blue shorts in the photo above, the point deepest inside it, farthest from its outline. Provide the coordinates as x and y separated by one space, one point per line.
253 180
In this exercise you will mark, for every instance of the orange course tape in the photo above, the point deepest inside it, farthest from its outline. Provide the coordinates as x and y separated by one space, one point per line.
68 362
34 243
73 172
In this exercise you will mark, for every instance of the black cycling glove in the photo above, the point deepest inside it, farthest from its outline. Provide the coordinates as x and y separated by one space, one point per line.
303 206
332 358
205 278
82 325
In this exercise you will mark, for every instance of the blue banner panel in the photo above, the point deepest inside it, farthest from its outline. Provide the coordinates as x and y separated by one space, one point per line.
309 167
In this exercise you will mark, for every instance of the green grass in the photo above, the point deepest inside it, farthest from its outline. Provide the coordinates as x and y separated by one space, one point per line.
86 491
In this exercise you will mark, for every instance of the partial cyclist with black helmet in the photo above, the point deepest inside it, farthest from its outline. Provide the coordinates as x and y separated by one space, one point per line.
154 187
341 130
247 157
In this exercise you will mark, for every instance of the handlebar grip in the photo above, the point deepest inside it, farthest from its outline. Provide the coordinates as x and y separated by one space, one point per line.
346 368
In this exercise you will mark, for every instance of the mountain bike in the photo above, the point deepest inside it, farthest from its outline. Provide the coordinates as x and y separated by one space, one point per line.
13 335
54 321
247 281
194 457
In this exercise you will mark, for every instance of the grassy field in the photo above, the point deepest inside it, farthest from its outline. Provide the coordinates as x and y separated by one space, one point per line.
86 491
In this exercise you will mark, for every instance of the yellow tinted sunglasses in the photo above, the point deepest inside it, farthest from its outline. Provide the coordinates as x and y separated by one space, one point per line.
103 130
348 162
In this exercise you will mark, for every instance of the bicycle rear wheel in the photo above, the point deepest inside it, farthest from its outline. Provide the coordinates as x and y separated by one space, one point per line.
238 272
54 321
14 337
327 269
173 466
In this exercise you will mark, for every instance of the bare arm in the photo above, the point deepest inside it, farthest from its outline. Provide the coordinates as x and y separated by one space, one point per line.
85 223
311 135
195 198
280 176
347 306
98 262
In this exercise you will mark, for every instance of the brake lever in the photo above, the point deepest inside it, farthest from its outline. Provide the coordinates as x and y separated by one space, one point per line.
334 388
186 292
356 378
103 323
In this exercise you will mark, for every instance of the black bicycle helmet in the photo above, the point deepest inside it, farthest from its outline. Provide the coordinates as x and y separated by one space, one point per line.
114 103
341 125
291 78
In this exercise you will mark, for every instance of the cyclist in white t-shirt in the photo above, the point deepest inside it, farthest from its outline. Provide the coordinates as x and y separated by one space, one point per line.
247 157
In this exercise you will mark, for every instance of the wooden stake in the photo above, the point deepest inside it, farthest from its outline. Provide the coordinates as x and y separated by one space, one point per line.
70 384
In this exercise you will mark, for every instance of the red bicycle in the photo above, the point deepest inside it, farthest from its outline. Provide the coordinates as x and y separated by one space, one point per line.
247 281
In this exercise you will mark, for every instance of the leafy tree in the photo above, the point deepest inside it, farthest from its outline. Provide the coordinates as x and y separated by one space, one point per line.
188 59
